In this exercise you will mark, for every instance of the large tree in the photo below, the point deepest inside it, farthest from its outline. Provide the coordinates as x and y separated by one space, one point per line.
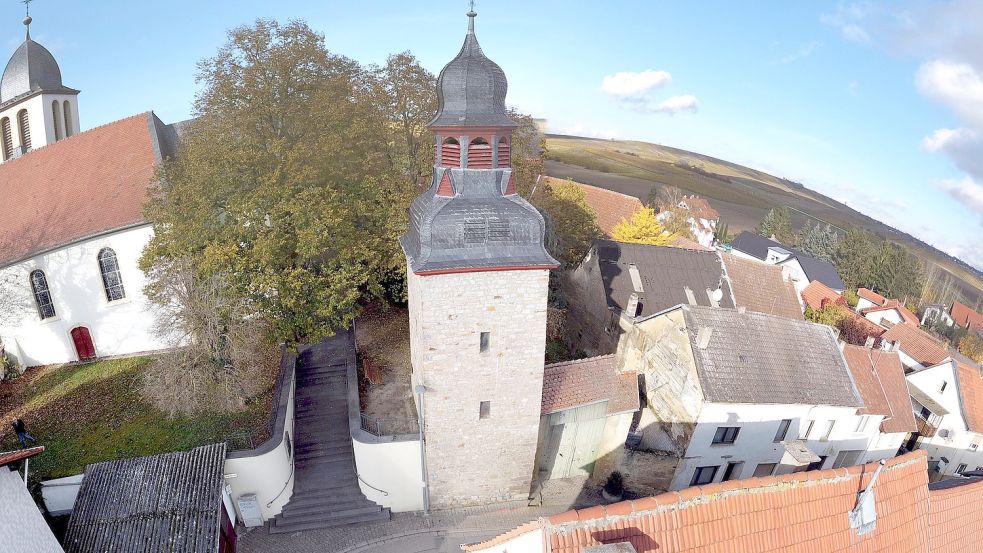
643 228
778 223
821 242
571 222
284 183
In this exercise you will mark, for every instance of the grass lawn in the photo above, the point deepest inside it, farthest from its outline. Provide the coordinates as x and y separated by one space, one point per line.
94 412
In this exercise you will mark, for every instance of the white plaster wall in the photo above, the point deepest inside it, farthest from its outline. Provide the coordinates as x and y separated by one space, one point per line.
863 303
797 276
394 468
884 446
39 115
269 475
742 255
528 542
121 327
958 446
890 315
755 442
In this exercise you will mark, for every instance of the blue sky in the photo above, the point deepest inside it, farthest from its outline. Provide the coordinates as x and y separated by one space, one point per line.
877 105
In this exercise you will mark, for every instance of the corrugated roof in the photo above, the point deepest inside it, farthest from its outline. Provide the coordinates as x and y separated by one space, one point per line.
880 379
666 273
170 502
815 269
574 383
761 287
758 358
917 344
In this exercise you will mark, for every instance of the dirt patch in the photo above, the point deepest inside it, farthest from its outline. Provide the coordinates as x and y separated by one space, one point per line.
385 371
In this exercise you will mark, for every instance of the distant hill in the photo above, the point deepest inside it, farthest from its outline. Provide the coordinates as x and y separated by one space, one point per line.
742 195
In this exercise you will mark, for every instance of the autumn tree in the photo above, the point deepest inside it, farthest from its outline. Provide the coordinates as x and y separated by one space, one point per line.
778 223
971 345
676 221
643 228
527 152
571 223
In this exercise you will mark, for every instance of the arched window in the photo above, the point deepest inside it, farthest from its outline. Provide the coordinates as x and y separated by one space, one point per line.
8 138
112 281
450 153
56 118
504 153
42 296
25 130
479 154
69 127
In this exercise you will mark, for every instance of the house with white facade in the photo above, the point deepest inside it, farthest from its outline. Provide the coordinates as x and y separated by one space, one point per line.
802 267
701 217
73 227
916 348
737 394
935 312
947 400
883 311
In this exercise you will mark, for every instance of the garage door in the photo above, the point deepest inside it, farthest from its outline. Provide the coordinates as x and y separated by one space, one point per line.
572 441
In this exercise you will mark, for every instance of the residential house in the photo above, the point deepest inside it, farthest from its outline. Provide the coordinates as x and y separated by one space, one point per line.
738 394
803 267
917 348
817 296
22 527
965 317
761 288
880 378
947 400
935 312
882 311
171 502
868 298
878 509
702 218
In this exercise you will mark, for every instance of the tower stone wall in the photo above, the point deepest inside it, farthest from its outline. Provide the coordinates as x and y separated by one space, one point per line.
473 460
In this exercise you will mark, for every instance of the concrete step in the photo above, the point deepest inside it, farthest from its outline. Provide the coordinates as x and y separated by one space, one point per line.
284 527
322 447
340 497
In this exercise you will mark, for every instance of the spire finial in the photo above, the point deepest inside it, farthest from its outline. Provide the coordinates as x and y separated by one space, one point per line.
471 15
27 16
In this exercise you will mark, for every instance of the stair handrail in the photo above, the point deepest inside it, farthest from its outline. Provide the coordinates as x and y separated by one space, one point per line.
293 463
355 468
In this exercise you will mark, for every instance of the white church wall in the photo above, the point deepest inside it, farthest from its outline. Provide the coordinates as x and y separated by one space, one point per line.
75 280
390 473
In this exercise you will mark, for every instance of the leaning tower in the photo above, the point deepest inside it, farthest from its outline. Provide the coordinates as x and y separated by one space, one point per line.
477 273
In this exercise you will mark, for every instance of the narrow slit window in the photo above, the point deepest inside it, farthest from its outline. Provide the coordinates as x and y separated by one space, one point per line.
56 119
782 429
484 410
8 138
484 341
24 122
69 126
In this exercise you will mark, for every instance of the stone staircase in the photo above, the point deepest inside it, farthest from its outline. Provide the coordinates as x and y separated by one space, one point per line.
326 491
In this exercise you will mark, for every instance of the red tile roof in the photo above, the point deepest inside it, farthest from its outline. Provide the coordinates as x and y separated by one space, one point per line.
971 393
871 296
917 344
964 316
817 295
761 287
805 511
880 380
954 519
78 187
611 207
906 316
573 383
700 208
12 456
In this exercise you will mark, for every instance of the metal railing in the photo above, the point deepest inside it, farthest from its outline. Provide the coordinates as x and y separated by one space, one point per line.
388 426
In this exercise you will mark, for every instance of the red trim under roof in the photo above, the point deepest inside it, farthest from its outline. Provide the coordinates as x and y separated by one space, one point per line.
14 456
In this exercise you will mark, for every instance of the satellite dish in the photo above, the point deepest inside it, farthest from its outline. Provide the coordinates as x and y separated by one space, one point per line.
717 295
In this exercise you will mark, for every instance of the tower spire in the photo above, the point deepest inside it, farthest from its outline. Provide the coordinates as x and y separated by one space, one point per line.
471 15
27 17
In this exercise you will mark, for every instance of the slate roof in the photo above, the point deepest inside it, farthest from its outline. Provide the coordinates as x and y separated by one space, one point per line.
815 269
880 379
917 344
22 527
665 274
758 358
170 502
804 511
610 206
471 89
574 383
81 186
760 287
817 295
966 317
31 69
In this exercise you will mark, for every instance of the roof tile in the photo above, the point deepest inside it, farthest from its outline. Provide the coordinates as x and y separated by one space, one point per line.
917 344
610 206
880 379
761 287
580 382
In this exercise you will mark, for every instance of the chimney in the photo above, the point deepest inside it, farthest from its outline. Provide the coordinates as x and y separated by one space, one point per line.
869 344
632 308
703 337
690 297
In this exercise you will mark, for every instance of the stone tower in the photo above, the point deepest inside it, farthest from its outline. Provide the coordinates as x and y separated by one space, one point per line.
36 109
477 273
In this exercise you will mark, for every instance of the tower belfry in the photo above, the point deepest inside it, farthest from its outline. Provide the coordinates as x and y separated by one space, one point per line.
477 273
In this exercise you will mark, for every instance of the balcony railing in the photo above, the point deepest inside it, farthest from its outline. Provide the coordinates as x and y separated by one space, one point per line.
389 426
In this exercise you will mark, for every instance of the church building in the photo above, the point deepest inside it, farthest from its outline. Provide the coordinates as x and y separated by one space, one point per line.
477 274
71 222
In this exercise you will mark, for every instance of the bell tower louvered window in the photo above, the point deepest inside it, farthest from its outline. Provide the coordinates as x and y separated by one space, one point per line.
450 153
24 124
112 281
69 126
42 296
504 153
56 119
479 154
8 138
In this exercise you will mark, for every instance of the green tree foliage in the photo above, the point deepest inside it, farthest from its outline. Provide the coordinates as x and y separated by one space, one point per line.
778 223
643 228
821 242
863 259
285 183
855 258
572 224
851 297
722 235
528 153
676 221
830 315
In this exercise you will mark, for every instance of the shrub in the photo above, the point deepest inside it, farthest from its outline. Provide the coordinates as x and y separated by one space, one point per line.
615 484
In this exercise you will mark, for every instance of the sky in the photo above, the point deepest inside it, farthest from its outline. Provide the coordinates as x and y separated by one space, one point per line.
878 105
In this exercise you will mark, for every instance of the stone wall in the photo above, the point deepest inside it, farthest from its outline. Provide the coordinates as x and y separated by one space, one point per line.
590 325
473 460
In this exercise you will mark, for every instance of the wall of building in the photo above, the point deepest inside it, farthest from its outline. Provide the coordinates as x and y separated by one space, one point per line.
389 473
590 324
884 446
797 276
465 452
41 120
960 446
75 280
611 451
526 542
863 303
890 315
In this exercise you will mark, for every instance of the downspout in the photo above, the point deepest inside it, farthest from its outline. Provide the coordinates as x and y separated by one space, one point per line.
420 390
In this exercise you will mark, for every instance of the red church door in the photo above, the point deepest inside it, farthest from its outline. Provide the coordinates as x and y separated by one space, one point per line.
83 343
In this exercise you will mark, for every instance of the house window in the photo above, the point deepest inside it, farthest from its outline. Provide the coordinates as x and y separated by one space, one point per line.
942 387
8 139
25 129
483 341
484 410
112 281
42 296
960 468
450 152
805 435
504 157
829 430
704 475
764 469
726 434
782 429
733 471
479 154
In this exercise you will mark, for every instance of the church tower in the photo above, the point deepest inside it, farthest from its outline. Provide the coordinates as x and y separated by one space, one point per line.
36 109
477 272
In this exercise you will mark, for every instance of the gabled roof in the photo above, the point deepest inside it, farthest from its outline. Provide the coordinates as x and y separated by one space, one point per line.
610 206
964 316
906 315
81 186
880 379
871 296
817 295
971 395
804 511
664 273
170 502
575 383
757 246
917 344
758 358
762 288
700 208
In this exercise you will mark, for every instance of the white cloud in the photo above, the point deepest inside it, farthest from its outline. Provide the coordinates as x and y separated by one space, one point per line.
848 18
632 84
676 104
579 129
965 191
956 85
801 53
